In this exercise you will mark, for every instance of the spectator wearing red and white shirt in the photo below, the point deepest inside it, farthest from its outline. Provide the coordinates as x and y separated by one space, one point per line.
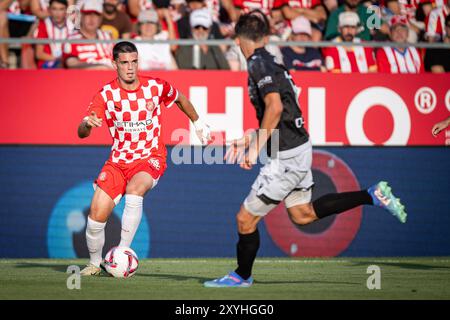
89 55
399 60
53 27
40 8
349 59
435 23
406 9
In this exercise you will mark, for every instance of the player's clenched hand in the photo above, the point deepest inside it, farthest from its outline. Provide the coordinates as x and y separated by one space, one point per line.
93 121
250 158
203 131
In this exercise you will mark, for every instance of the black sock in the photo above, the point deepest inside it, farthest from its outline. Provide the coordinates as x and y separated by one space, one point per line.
247 247
334 203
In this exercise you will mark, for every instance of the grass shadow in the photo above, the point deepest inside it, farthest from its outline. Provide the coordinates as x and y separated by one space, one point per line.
309 282
175 277
56 267
30 265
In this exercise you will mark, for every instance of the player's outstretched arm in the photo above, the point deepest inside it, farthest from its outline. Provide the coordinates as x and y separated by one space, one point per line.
438 127
202 129
89 122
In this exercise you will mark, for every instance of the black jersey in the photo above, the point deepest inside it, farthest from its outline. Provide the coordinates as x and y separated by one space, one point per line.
266 76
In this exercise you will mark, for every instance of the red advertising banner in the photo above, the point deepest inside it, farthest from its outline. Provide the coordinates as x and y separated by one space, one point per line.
46 107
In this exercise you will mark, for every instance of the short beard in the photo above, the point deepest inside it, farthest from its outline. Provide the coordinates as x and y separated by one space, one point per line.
351 5
203 37
348 38
109 8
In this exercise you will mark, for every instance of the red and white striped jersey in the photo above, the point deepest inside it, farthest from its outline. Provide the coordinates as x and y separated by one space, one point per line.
349 60
435 22
248 5
391 60
89 52
48 30
134 117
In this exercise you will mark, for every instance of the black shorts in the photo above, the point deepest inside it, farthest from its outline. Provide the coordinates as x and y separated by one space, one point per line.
18 29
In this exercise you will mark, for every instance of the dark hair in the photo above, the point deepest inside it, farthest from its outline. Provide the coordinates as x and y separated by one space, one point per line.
63 2
123 47
161 3
447 21
253 26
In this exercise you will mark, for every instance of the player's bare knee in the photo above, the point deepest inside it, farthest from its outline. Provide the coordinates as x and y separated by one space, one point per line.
302 215
139 187
137 190
245 222
302 220
96 214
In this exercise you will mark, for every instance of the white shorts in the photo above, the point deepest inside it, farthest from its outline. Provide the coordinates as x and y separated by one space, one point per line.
289 180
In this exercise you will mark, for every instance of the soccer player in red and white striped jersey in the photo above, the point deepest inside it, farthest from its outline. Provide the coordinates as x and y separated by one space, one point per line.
349 59
435 23
399 60
131 107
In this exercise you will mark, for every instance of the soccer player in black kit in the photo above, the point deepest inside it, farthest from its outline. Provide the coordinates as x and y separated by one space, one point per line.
287 174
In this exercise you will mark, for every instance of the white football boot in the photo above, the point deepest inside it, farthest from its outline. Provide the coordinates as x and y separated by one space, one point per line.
91 270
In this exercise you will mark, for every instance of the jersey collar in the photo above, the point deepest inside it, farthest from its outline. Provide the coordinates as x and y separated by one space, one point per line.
131 91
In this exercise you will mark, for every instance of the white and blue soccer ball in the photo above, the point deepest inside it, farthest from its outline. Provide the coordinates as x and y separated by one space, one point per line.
121 262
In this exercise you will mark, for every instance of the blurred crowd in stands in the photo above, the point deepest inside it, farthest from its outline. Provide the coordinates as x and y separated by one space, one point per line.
397 21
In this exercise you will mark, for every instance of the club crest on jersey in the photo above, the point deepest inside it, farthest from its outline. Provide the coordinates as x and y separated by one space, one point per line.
154 163
150 106
102 176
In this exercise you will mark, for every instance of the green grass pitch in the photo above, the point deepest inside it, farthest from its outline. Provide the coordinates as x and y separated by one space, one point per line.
275 278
